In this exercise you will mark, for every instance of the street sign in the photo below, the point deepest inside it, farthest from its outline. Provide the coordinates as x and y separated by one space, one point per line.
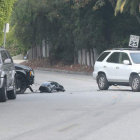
7 27
134 41
6 30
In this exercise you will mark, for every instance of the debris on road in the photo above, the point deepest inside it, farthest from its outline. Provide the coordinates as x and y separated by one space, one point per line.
50 87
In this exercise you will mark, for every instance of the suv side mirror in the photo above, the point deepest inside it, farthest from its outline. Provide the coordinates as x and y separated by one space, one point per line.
7 61
126 62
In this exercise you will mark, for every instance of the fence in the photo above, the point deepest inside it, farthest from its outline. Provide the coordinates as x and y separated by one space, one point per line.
39 51
85 57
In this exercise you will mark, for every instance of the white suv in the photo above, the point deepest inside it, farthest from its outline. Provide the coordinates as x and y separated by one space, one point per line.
118 67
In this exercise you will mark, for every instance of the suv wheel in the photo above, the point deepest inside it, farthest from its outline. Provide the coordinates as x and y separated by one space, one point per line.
102 82
12 93
135 83
3 92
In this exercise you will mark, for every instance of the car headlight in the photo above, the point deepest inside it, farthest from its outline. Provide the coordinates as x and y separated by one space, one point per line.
31 73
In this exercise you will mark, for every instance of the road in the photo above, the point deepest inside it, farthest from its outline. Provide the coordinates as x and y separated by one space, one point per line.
81 113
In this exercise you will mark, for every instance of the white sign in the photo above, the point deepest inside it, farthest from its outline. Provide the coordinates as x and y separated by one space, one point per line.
134 41
7 27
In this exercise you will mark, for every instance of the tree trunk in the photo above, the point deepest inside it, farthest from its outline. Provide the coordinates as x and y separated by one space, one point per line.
138 18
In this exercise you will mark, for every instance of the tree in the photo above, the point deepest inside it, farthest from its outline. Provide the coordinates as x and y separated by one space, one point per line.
70 25
5 12
131 6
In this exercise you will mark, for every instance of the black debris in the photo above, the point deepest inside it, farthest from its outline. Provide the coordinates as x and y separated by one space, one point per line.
50 87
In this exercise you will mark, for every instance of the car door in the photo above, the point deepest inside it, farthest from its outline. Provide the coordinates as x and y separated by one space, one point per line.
112 65
123 69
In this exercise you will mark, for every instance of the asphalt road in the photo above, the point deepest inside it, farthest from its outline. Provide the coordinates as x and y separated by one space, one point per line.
81 113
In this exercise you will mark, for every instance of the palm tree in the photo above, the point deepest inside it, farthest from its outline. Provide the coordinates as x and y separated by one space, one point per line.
131 6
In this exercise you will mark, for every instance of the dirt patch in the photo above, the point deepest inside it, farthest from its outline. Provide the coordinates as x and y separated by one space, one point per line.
45 64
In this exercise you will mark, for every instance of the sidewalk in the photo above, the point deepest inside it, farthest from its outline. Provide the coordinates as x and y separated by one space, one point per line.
63 71
19 61
42 65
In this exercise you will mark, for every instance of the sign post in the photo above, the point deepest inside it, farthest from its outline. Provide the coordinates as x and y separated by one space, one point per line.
6 30
134 41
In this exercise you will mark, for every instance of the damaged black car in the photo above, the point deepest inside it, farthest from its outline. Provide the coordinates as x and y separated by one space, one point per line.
24 78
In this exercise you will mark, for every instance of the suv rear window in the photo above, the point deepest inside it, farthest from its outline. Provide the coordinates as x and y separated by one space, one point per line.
103 56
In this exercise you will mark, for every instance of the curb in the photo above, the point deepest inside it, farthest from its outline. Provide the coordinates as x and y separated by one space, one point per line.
63 71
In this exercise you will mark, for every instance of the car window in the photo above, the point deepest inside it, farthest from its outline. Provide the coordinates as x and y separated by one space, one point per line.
103 56
3 55
9 56
114 58
123 56
135 57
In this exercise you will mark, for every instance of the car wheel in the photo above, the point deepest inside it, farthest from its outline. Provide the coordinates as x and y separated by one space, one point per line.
21 84
3 92
12 93
135 83
102 82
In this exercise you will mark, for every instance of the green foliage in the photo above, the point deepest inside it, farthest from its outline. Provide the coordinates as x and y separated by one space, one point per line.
5 12
131 6
69 25
121 28
12 44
